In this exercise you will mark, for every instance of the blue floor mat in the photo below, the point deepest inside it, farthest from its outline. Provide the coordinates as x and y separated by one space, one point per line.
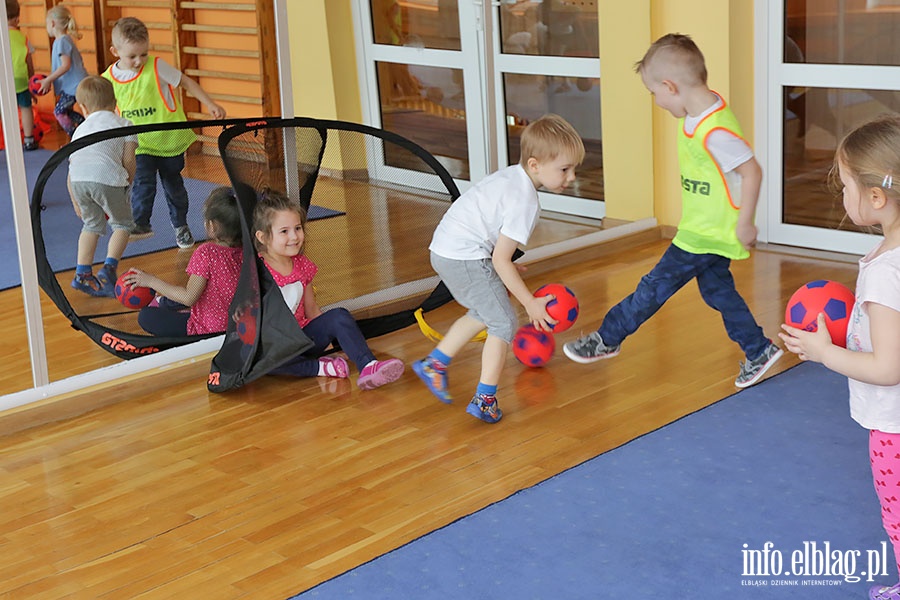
683 512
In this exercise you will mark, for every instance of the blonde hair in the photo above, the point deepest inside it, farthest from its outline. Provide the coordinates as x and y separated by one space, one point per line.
549 137
64 20
269 203
870 155
674 56
129 29
96 93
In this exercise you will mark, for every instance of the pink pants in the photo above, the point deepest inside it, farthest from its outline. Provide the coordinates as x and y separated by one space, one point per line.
884 454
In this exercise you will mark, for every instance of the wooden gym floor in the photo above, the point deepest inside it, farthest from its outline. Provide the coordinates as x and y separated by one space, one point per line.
170 491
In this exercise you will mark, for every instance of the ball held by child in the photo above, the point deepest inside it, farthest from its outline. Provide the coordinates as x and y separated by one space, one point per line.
563 307
134 297
830 298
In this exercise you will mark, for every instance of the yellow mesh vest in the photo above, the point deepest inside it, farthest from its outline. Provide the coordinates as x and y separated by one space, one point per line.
19 50
141 101
708 215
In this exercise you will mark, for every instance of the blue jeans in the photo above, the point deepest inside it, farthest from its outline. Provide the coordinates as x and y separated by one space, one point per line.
671 273
143 191
332 325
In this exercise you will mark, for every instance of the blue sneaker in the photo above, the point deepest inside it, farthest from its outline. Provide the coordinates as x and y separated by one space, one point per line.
485 407
107 277
88 284
434 374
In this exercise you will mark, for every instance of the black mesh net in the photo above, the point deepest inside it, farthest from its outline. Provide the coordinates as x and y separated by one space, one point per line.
373 200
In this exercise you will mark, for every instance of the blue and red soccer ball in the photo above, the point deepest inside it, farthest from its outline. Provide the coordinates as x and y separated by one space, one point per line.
532 347
133 297
830 298
563 307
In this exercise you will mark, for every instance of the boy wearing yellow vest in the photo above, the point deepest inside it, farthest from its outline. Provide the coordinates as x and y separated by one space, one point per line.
145 93
720 181
23 69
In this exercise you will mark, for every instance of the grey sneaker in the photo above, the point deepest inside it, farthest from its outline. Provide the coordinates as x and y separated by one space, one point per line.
753 370
183 237
589 348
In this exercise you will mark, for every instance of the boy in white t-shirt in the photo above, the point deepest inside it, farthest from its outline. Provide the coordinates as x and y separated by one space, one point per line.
99 176
472 250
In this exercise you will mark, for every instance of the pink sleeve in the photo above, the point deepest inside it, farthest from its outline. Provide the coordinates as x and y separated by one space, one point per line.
307 268
199 263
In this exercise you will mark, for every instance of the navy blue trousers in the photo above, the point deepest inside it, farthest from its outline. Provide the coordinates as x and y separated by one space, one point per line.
675 269
332 325
143 191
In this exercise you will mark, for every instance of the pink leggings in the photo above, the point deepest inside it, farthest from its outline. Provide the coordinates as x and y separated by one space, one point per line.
884 454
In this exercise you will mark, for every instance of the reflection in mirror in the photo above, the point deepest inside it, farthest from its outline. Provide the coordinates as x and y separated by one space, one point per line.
158 254
815 120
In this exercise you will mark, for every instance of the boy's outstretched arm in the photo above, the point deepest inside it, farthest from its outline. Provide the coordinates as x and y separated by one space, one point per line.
751 180
194 89
509 274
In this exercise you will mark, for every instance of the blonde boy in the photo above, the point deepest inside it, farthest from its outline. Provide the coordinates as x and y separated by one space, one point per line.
472 251
99 176
145 93
720 182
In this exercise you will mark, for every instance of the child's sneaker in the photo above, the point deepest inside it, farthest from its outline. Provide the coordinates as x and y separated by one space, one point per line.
379 373
107 278
334 366
485 407
29 145
434 374
87 284
753 370
885 592
589 348
183 237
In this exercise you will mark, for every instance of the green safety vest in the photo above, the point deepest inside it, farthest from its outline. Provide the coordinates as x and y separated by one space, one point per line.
19 50
141 101
708 215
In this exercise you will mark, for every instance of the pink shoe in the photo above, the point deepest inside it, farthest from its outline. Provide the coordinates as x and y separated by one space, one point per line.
334 366
379 373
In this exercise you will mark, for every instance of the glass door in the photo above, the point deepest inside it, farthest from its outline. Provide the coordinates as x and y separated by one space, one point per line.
833 64
463 77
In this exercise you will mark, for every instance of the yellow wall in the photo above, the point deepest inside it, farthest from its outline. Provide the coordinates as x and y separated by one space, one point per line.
639 140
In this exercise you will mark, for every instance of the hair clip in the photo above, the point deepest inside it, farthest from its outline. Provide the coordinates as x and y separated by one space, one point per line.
887 182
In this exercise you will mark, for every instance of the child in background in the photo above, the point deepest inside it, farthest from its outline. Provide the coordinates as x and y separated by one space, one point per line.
720 182
278 227
99 176
148 96
213 272
67 67
23 69
866 161
472 251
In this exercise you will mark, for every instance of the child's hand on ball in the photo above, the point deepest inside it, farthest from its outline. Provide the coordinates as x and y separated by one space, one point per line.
808 345
537 312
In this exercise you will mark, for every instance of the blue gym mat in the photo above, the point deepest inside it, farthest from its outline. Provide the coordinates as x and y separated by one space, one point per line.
769 480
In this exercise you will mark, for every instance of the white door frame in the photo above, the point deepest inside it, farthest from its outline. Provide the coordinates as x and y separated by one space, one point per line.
483 67
772 74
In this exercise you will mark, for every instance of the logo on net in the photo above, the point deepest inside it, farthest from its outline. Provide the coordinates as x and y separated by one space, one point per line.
813 563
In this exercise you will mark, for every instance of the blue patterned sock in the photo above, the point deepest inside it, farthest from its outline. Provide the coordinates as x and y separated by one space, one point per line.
440 357
486 390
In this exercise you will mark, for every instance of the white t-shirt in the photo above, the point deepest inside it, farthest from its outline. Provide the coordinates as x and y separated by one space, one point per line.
727 150
874 406
167 73
504 202
101 162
